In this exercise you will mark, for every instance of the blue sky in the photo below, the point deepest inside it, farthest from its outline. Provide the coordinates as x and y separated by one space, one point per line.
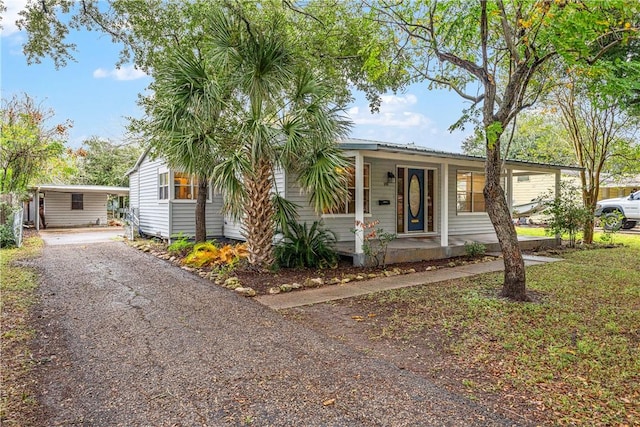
97 98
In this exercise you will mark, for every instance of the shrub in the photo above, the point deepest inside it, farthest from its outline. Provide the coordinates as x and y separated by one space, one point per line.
567 215
375 241
474 249
207 254
302 246
181 245
7 239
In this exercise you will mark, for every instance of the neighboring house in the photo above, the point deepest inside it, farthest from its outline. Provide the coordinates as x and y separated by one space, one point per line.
413 191
610 188
527 188
69 205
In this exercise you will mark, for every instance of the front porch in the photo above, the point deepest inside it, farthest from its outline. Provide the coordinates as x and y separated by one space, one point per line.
410 249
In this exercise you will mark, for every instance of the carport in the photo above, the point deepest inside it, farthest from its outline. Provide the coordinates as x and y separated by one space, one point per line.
70 206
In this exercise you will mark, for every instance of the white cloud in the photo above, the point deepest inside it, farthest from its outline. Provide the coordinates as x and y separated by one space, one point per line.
395 111
402 120
395 101
10 16
127 72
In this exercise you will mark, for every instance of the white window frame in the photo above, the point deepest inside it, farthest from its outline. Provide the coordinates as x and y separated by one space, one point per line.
166 186
472 191
193 186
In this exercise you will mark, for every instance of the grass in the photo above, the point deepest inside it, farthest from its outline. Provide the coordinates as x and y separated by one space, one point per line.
17 288
598 237
576 351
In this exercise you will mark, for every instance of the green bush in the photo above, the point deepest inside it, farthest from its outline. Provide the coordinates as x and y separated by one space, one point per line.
567 214
181 245
7 239
474 249
302 246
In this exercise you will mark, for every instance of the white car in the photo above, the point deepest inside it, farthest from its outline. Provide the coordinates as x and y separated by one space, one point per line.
623 212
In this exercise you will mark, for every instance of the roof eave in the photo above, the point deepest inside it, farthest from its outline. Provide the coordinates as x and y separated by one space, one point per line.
394 148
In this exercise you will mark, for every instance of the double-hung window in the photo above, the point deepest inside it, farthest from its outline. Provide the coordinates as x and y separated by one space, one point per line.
163 186
349 205
469 187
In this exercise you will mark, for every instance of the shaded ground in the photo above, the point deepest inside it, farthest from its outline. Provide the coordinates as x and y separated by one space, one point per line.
128 339
360 324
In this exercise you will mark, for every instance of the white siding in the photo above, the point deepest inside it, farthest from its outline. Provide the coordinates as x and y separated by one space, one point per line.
343 225
134 181
154 213
232 229
529 187
183 216
164 218
58 212
280 182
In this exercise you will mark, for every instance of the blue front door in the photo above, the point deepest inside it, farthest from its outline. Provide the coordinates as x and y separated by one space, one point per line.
415 199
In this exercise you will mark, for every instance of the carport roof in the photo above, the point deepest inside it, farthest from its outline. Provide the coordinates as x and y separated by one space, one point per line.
120 191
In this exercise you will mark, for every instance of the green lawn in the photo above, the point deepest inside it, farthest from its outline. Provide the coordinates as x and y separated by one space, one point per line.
17 288
598 237
576 350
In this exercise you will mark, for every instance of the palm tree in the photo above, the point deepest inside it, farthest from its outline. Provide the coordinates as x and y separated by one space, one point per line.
185 122
285 121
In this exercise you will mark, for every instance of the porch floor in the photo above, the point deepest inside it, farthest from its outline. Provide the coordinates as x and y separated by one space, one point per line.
410 249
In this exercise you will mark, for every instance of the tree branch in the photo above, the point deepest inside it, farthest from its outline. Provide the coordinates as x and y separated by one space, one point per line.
508 33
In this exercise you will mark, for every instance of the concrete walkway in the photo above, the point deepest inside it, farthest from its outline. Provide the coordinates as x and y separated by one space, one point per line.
354 289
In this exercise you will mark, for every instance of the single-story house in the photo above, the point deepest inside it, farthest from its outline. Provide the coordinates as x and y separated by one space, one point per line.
62 206
428 198
527 188
162 201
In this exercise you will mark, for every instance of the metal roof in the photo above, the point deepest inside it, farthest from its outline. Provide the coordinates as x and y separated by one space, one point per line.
81 189
369 145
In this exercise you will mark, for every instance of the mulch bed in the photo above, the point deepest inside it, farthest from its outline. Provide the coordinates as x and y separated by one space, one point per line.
266 282
261 282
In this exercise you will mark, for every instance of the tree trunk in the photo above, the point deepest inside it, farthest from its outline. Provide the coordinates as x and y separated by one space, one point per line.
258 225
589 198
514 286
201 210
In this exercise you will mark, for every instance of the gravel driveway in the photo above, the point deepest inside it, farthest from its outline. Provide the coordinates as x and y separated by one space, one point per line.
127 339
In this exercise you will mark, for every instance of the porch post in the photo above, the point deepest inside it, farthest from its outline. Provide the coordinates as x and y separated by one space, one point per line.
444 206
358 259
37 208
510 190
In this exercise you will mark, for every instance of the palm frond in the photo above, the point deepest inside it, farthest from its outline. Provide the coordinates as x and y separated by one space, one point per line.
227 176
285 211
322 177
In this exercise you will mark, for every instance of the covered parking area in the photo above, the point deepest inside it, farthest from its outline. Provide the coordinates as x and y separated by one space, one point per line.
71 206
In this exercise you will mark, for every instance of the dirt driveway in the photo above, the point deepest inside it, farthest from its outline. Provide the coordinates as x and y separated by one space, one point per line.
128 340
